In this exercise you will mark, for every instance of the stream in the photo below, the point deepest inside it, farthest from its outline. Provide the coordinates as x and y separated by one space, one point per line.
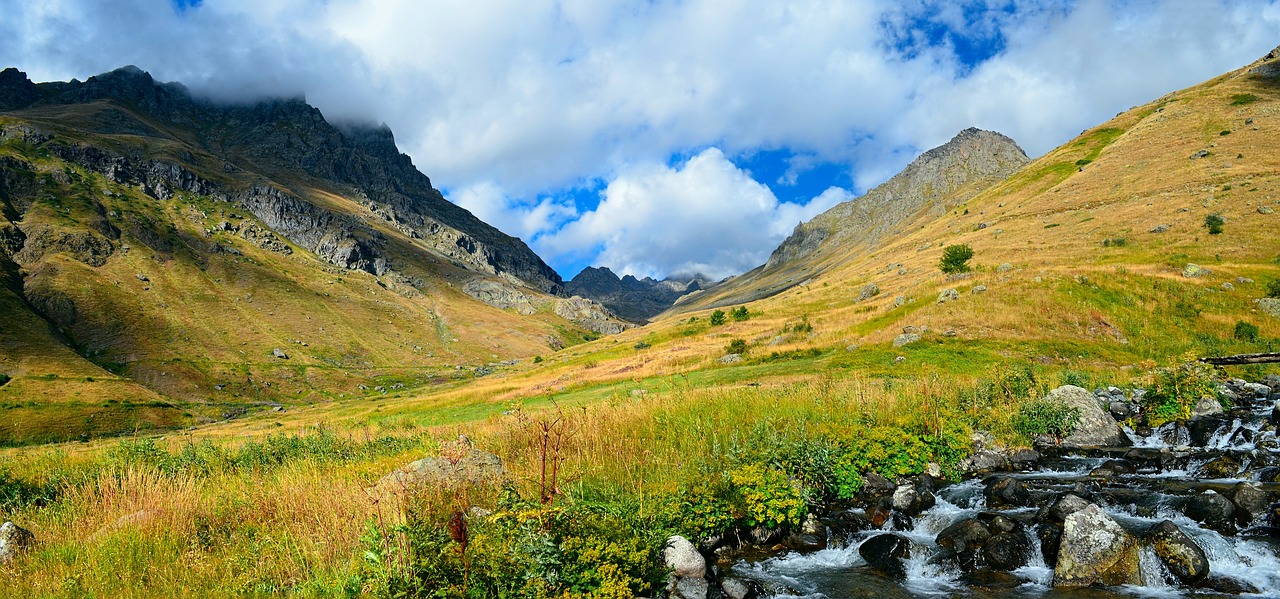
1138 486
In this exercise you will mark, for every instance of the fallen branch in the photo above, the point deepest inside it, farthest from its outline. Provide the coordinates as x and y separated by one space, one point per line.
1267 358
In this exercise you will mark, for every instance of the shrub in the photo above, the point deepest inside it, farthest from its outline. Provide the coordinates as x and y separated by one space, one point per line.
1046 417
766 497
1246 332
737 346
1273 288
955 259
4 378
1117 242
802 327
641 345
1242 99
717 318
740 314
1214 223
1175 391
537 359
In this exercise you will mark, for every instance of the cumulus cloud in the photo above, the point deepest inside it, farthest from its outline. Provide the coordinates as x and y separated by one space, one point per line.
705 216
505 100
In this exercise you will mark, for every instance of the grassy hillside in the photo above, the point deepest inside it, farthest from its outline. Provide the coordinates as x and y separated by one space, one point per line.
657 432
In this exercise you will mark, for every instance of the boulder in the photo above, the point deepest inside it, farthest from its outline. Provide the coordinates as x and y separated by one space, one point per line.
948 295
683 558
1269 306
1007 551
874 485
1004 267
868 291
912 500
978 289
1096 426
1206 406
1064 505
885 552
464 466
1219 467
14 540
905 338
985 460
1180 554
1200 430
688 588
1212 510
1195 271
731 358
1095 549
279 353
1007 491
736 588
1251 502
964 541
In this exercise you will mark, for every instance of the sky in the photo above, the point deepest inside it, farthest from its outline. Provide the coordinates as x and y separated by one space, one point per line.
660 137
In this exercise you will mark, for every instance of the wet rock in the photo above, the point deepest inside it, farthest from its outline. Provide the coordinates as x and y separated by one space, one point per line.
1007 492
1058 510
805 543
1212 510
1096 427
1228 586
1270 474
688 588
879 514
885 552
991 580
874 485
1024 459
1050 537
683 558
736 588
1114 468
1202 429
1121 410
964 541
1095 549
1006 551
13 541
1219 467
1251 502
912 500
1180 554
985 460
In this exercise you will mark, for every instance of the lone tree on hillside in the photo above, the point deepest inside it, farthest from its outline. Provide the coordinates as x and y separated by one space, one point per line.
1214 223
955 258
717 318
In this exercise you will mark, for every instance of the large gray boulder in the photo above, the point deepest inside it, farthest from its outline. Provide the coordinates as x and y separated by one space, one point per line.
1095 549
1096 427
1269 306
13 540
683 558
462 466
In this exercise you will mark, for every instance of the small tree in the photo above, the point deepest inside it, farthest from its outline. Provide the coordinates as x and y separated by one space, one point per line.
955 259
717 318
1214 222
740 314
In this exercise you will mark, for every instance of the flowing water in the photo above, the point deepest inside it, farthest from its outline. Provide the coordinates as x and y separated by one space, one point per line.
1245 563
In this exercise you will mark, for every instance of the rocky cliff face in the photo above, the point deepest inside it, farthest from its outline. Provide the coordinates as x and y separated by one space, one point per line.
286 145
939 179
634 299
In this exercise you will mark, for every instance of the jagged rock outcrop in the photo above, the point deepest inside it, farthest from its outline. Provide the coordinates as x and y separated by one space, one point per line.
630 298
279 138
937 180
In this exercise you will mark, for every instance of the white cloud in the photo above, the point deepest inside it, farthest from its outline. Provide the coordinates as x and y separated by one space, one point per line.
505 100
705 216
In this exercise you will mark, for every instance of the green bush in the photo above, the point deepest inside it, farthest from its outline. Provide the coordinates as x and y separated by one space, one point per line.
1116 242
1214 223
737 346
1246 332
801 327
1242 99
740 314
1046 417
4 378
766 497
955 259
1175 391
641 345
717 318
1273 288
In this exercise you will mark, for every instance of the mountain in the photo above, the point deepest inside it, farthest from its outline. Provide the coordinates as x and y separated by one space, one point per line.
636 300
933 183
166 260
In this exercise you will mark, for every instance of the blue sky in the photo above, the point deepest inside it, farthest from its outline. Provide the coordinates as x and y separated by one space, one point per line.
661 136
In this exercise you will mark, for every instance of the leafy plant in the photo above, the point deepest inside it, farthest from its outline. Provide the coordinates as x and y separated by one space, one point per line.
1175 391
537 359
1273 288
740 314
717 318
1214 223
955 259
766 497
737 346
1246 331
1046 417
